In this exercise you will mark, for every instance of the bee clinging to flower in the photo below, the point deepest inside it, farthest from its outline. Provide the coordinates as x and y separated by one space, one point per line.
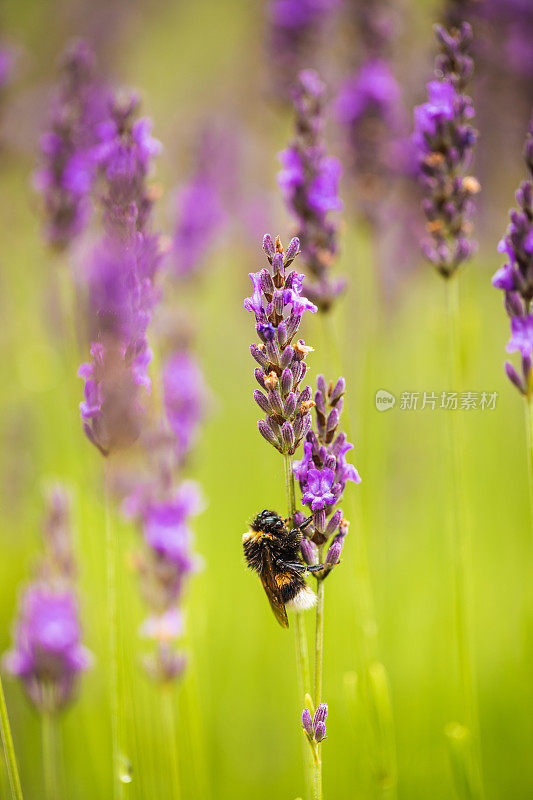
273 551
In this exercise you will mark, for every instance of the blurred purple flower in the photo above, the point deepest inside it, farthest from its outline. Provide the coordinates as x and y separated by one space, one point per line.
184 396
67 172
294 30
521 336
515 278
309 182
48 655
444 140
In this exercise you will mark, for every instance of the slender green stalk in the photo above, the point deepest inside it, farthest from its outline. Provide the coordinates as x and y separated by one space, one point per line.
319 662
528 408
169 721
319 635
461 548
9 750
302 656
317 773
50 745
381 739
112 606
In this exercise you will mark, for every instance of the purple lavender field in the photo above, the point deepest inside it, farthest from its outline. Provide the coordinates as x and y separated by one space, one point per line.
266 275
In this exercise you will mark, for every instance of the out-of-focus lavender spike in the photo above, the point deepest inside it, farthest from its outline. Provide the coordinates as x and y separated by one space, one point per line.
444 140
120 278
67 170
47 655
202 203
295 29
515 278
309 182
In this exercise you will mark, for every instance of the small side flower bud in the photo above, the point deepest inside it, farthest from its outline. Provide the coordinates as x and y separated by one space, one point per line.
307 722
320 732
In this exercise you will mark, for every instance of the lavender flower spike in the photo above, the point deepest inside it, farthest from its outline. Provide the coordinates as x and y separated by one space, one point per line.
444 140
515 278
48 656
324 471
295 28
67 171
309 182
278 307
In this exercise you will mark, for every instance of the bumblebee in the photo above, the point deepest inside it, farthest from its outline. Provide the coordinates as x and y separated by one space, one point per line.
273 551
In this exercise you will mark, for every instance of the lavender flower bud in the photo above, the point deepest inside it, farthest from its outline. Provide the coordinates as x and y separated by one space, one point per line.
286 358
292 251
289 407
259 356
282 334
286 382
513 304
272 352
320 732
334 552
319 520
267 433
277 264
287 437
321 715
309 551
307 722
268 246
333 523
262 401
301 426
514 377
267 284
260 377
275 401
338 391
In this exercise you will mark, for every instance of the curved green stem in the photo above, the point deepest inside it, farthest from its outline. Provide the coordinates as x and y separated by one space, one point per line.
461 547
9 750
50 745
528 408
172 740
319 661
302 656
112 605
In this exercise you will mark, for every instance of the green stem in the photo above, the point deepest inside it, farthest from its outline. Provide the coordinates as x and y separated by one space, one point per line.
528 408
50 745
461 546
319 635
9 750
319 659
317 774
302 656
172 740
381 743
112 606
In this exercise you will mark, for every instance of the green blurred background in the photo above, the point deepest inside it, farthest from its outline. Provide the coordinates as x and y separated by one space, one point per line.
237 709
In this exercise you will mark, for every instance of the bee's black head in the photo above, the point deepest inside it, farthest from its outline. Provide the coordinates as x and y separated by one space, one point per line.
269 522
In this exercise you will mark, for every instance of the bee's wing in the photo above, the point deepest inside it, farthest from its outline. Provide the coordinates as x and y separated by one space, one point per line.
272 591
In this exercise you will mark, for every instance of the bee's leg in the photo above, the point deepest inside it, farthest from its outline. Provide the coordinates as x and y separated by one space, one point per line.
296 566
303 568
